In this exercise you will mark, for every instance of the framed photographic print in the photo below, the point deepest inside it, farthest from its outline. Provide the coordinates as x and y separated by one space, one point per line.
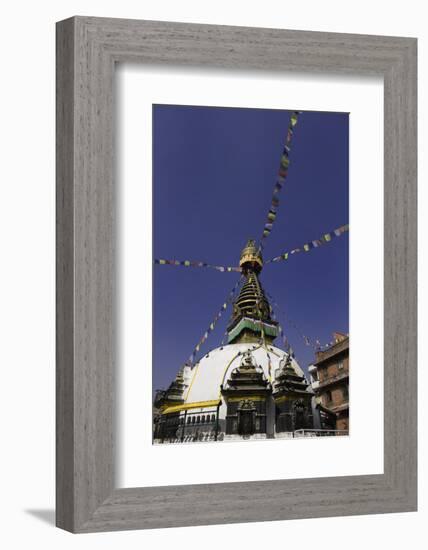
236 210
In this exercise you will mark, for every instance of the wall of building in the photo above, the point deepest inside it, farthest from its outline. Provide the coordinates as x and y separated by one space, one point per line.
336 367
332 375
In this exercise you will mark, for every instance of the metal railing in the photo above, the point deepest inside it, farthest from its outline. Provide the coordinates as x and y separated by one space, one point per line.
319 433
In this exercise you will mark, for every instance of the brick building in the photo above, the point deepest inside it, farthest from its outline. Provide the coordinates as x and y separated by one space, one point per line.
330 380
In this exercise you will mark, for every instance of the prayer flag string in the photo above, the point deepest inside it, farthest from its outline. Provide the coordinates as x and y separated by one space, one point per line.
282 335
189 263
215 320
316 345
326 238
281 177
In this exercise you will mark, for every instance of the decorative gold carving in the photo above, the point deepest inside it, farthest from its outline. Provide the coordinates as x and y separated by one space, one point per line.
251 257
247 405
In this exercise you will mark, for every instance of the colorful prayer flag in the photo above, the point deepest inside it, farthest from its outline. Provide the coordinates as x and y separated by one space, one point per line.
327 237
282 172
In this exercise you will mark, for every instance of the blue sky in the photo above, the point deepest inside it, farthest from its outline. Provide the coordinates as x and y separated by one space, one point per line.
214 170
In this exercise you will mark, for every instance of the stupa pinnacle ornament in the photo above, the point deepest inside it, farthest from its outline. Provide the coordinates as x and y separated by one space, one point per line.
251 258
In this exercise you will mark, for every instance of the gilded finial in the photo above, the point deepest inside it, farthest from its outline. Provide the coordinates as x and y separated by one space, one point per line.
251 257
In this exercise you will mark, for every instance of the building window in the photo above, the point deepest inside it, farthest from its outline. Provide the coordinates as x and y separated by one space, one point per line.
213 418
203 419
340 365
198 419
328 397
345 393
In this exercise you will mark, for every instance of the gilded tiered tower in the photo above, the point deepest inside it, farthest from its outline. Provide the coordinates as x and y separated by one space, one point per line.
251 318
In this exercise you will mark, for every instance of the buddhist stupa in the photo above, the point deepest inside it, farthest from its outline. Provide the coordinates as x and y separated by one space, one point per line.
246 389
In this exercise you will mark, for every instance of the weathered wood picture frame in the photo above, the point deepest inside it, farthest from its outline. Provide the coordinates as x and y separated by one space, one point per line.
87 50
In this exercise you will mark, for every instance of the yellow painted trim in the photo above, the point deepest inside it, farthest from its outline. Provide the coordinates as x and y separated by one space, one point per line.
165 406
252 397
195 405
282 399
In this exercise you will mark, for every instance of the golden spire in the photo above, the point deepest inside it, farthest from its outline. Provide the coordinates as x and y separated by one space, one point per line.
251 258
251 319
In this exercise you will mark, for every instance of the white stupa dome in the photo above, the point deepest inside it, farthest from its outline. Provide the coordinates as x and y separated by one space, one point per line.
213 370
